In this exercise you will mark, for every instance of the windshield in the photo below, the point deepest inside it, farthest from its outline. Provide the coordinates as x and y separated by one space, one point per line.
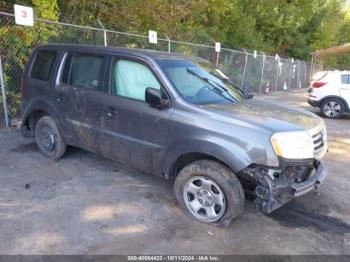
200 83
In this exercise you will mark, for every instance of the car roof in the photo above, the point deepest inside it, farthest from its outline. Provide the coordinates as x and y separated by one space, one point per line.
152 54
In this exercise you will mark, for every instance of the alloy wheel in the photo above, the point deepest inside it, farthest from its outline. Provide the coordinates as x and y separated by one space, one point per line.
332 109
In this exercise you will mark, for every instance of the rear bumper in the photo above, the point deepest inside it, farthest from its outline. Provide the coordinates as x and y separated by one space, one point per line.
276 187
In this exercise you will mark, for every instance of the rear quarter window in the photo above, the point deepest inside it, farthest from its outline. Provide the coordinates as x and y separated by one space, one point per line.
42 65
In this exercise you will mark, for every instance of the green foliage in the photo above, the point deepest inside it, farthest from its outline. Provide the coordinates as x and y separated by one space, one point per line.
289 28
47 9
18 41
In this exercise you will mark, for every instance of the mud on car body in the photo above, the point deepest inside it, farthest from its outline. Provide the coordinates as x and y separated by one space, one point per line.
176 117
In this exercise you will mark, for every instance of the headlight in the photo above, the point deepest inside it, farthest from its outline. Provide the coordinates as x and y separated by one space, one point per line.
293 145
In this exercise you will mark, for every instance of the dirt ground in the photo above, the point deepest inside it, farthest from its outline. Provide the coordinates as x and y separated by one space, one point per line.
85 204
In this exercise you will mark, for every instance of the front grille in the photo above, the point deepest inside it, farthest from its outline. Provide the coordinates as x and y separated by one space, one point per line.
318 141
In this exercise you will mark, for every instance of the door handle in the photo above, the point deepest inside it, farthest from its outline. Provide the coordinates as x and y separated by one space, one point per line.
110 112
59 98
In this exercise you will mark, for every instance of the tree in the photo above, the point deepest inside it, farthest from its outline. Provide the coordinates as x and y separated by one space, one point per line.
292 28
19 41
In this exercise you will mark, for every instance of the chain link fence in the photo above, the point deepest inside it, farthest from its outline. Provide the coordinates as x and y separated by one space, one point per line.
252 72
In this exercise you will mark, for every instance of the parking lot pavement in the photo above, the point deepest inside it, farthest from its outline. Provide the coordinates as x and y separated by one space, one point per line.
85 204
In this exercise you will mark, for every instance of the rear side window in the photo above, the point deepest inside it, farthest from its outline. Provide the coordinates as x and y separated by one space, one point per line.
42 65
83 70
345 79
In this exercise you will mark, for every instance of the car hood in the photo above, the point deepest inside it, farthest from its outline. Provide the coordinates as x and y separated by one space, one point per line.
269 115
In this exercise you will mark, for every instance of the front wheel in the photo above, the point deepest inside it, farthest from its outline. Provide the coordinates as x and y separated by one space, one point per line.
209 192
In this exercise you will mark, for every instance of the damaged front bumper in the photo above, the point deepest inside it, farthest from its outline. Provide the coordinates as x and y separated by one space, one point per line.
274 187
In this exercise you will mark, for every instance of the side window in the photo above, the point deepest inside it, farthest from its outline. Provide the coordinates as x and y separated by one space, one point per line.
130 79
42 65
83 70
345 79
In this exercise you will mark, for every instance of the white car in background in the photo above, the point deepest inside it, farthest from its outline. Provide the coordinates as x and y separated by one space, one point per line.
330 91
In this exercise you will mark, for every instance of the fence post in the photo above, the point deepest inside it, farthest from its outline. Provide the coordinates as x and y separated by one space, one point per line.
217 59
290 72
169 43
305 74
298 85
105 37
277 71
4 101
104 32
245 66
311 66
262 72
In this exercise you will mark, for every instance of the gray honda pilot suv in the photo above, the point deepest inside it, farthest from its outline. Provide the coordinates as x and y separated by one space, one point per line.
176 117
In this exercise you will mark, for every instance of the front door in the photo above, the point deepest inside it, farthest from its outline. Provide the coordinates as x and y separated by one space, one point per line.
345 88
133 133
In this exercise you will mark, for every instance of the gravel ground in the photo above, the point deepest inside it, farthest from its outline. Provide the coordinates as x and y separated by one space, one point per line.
85 204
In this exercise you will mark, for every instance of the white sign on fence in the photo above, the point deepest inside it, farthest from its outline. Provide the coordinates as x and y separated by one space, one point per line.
217 47
24 15
152 36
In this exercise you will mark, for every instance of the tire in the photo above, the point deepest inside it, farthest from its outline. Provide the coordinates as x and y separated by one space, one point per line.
49 139
332 108
218 180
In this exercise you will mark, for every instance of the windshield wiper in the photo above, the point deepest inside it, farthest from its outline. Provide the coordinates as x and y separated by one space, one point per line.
242 91
214 85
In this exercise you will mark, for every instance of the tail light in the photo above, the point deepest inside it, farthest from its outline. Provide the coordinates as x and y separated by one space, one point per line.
318 84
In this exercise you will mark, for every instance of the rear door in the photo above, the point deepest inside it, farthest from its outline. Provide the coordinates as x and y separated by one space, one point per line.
345 87
77 93
133 133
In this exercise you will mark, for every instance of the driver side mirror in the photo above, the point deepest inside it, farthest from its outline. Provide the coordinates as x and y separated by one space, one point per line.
154 98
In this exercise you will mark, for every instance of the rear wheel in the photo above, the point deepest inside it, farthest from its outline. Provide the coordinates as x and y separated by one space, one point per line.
333 108
209 192
48 138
